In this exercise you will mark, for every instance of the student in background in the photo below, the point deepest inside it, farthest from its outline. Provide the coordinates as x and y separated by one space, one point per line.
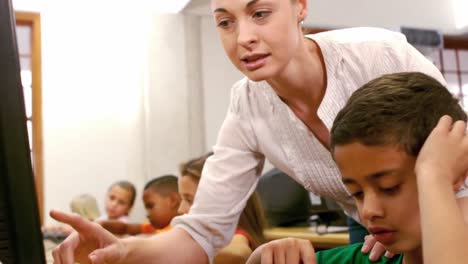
249 233
119 201
161 199
86 206
404 178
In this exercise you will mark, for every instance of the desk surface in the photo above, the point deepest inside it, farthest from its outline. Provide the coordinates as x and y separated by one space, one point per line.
319 241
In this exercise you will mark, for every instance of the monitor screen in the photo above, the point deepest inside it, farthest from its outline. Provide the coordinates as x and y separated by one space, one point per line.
20 233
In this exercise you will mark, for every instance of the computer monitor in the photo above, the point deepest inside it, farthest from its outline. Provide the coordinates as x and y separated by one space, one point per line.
20 233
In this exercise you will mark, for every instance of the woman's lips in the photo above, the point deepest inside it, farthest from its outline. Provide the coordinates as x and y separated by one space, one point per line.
254 62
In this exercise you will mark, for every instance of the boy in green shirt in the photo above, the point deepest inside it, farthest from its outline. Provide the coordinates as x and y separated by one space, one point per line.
400 143
351 254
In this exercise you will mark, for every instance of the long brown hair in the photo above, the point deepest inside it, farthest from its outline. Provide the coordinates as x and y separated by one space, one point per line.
252 218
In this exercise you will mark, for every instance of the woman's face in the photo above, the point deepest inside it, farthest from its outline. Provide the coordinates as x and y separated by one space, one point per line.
259 36
187 189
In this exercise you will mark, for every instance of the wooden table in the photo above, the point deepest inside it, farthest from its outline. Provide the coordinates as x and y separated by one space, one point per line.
325 241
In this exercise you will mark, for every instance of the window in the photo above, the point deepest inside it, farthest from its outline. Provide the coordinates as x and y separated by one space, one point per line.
28 30
453 63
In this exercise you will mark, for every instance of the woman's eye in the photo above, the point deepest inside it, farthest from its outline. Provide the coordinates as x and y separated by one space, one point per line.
224 23
261 14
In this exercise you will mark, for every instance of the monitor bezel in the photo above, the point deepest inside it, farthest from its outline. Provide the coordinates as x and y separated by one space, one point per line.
16 167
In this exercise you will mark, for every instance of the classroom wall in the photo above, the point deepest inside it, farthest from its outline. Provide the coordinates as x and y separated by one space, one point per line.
174 121
92 100
218 77
120 98
437 14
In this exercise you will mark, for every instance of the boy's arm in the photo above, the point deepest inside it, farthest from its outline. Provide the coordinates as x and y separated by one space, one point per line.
463 204
134 229
121 228
462 199
444 229
441 168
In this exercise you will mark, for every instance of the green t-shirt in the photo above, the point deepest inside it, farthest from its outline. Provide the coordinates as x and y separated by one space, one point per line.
352 254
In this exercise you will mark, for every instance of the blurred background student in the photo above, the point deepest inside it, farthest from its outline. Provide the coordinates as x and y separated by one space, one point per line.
161 199
119 201
249 233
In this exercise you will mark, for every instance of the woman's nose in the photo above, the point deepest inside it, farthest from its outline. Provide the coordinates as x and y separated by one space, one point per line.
246 35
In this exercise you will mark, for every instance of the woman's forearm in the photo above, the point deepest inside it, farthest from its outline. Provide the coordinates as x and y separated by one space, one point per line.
172 247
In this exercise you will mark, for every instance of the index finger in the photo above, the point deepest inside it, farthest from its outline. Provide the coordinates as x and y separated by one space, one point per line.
80 224
445 123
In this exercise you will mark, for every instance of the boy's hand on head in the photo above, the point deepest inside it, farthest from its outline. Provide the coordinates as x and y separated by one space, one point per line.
91 243
445 153
282 251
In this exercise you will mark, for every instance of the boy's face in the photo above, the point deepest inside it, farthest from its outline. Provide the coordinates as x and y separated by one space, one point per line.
159 209
383 183
118 202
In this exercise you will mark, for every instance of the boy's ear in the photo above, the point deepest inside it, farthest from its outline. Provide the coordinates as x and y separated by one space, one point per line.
174 200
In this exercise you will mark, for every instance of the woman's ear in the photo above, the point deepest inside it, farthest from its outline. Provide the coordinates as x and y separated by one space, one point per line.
302 11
